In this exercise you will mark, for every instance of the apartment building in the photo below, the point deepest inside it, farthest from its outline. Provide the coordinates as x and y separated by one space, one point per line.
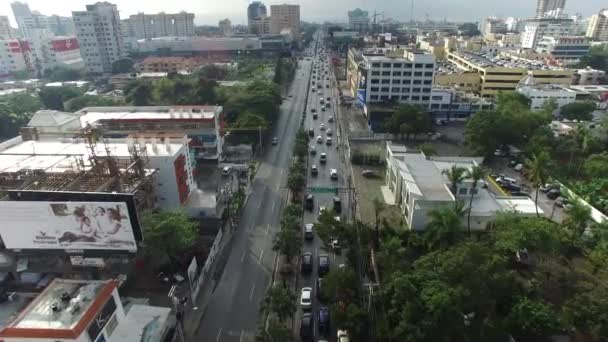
56 51
15 56
589 76
6 31
285 17
256 10
99 33
28 20
568 50
225 27
146 26
260 26
493 25
169 64
552 6
536 29
358 20
598 26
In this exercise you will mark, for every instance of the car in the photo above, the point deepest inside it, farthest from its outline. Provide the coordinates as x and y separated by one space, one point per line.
323 319
306 266
546 187
336 247
561 202
313 110
500 153
328 141
322 127
323 158
314 116
306 326
226 171
337 204
275 140
321 210
518 167
519 194
314 170
553 194
313 150
330 119
329 132
323 264
309 202
313 91
328 98
311 132
309 232
322 109
327 104
319 139
342 336
306 298
327 86
333 174
368 174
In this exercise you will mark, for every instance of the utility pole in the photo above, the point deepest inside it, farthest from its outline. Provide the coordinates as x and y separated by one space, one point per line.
260 139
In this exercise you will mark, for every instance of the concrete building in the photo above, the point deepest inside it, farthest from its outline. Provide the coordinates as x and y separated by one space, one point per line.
539 95
514 24
589 76
28 20
493 25
285 17
169 64
225 27
358 20
145 26
223 47
579 24
416 185
453 104
260 26
568 50
256 10
15 56
99 33
598 26
544 6
536 29
6 31
84 310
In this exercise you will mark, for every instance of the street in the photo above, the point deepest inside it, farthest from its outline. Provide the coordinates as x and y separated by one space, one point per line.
233 310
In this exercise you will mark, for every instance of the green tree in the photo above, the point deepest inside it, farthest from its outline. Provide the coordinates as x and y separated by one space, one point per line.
55 97
512 233
531 320
340 285
379 207
577 217
250 120
122 66
456 175
408 120
538 167
596 58
16 111
276 332
288 242
206 91
22 75
77 103
350 317
469 29
445 224
582 111
213 72
475 175
281 301
596 165
62 74
428 150
587 310
139 93
169 232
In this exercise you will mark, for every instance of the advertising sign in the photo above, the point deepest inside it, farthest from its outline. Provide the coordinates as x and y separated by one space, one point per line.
361 96
66 225
101 320
62 45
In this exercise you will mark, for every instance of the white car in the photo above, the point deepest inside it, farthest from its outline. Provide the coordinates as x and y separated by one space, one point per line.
306 297
333 174
342 336
329 133
319 139
322 127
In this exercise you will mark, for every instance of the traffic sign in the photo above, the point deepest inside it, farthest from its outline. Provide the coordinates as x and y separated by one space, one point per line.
322 189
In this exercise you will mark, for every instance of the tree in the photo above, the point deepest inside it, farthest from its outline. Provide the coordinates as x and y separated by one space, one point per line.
596 58
350 317
62 74
475 174
582 111
288 242
122 66
379 207
469 29
213 72
444 225
577 217
55 97
408 120
206 91
16 111
77 103
512 233
456 175
340 285
281 301
428 150
596 165
169 232
139 93
531 320
276 332
21 75
538 168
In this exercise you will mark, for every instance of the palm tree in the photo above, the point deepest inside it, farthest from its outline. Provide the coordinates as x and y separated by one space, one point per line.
538 167
577 216
455 174
476 173
444 225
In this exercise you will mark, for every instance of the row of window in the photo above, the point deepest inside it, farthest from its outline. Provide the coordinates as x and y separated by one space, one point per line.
399 81
397 98
404 90
403 65
399 73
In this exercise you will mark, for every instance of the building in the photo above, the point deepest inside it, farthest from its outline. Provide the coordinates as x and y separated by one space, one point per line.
169 64
20 9
51 51
544 6
225 27
146 26
493 25
568 50
598 26
415 183
540 94
28 20
15 56
514 24
256 10
99 33
220 48
579 24
453 104
6 31
260 26
84 310
589 76
536 29
358 20
285 17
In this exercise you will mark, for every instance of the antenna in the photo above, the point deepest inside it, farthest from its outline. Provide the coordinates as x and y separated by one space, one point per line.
412 12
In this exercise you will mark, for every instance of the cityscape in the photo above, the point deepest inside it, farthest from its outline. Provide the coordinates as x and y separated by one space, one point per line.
390 175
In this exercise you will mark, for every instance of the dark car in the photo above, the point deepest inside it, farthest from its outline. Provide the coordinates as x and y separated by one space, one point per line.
306 263
323 266
309 202
306 326
337 205
553 194
311 132
323 320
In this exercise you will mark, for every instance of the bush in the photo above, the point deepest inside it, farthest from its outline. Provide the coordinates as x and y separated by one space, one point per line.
362 158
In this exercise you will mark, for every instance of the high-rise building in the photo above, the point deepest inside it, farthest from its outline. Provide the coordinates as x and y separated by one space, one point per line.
260 26
544 6
285 17
255 11
20 9
146 26
536 29
29 22
225 27
6 31
358 20
493 25
15 56
99 32
598 26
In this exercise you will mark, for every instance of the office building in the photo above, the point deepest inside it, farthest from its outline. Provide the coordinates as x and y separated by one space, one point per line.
568 50
100 36
6 31
260 26
256 10
15 56
514 24
493 25
285 17
358 20
225 27
598 26
536 29
145 26
589 76
544 6
579 24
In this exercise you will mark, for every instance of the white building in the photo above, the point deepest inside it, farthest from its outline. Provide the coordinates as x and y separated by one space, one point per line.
415 183
551 6
197 45
28 20
358 20
15 56
84 310
225 27
598 26
100 36
589 76
145 26
52 51
536 29
566 49
493 25
6 31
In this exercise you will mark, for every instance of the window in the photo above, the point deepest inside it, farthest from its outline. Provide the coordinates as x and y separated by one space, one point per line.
375 65
384 89
428 73
375 73
428 81
426 90
407 65
418 65
396 65
416 90
386 81
417 81
374 89
436 98
384 97
395 81
374 97
405 90
395 97
428 66
396 73
396 89
463 191
435 105
386 65
415 98
425 98
417 73
386 73
375 81
405 97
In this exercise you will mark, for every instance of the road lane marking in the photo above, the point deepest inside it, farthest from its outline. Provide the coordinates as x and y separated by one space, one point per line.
267 230
251 292
273 204
219 334
277 188
242 333
243 256
261 255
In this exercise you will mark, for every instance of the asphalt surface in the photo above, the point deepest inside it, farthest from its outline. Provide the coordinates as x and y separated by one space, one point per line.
233 311
322 180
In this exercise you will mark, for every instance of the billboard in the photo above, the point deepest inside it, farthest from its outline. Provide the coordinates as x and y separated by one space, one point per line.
66 225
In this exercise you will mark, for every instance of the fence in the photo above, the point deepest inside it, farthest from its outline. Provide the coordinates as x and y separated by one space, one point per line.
210 259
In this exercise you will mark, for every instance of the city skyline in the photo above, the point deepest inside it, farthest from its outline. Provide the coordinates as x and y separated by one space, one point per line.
317 10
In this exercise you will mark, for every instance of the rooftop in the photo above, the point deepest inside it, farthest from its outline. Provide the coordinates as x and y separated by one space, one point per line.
91 115
142 323
486 60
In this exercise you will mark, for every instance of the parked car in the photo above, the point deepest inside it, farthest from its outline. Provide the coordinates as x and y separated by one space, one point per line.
518 167
546 187
342 336
337 204
553 194
306 266
323 265
306 298
306 327
308 232
323 320
309 202
226 171
369 174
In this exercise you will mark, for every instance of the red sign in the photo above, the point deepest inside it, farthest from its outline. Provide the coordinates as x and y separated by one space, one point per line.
17 46
61 45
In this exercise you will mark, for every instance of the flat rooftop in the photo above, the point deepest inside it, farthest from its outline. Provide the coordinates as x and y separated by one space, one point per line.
94 115
424 175
143 323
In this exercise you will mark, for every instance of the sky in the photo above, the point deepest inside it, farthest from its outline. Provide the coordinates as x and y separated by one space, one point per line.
211 11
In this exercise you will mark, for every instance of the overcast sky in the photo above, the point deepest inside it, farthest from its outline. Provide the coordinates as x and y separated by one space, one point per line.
210 11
